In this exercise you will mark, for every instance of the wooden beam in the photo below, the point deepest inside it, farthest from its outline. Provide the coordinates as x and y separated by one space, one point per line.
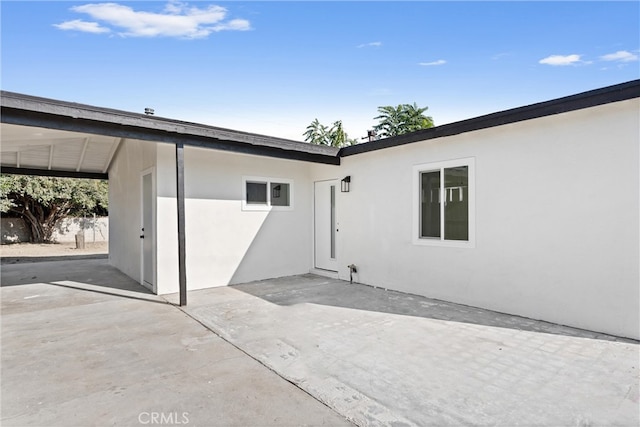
56 173
50 156
84 150
182 265
114 148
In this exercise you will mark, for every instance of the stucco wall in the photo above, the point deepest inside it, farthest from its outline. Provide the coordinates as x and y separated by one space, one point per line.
224 244
132 158
557 225
557 202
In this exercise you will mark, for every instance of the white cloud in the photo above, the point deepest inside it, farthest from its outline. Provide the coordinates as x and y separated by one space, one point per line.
372 44
620 56
177 20
438 62
174 6
84 26
561 60
235 24
500 55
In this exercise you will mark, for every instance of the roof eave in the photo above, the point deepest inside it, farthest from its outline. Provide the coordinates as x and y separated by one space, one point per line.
606 95
28 110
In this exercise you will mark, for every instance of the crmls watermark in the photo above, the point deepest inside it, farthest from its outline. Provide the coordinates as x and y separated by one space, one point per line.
163 418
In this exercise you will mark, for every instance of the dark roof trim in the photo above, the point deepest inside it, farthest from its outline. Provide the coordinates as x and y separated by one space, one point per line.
28 110
54 173
42 112
619 92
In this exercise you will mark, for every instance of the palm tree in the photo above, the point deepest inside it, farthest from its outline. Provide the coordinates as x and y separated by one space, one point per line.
316 133
390 119
415 118
402 119
338 137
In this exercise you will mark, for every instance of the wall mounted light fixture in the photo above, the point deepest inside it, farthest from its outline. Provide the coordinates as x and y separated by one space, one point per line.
345 183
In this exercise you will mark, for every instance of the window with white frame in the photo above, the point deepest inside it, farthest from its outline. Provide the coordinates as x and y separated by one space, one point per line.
261 193
444 214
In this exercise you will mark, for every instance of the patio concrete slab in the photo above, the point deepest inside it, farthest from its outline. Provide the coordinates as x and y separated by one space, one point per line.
386 358
83 345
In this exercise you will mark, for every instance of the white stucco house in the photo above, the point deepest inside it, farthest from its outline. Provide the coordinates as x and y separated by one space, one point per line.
533 211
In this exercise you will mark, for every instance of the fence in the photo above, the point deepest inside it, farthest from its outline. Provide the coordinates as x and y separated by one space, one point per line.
96 229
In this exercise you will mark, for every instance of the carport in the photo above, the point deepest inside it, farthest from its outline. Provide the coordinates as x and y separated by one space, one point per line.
55 138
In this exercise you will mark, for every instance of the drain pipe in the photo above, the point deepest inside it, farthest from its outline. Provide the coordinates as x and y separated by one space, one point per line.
352 269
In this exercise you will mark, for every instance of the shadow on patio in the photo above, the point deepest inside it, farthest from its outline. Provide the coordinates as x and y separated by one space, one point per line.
312 289
94 277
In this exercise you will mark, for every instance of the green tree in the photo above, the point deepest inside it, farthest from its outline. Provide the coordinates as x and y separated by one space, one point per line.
404 118
335 136
316 133
43 202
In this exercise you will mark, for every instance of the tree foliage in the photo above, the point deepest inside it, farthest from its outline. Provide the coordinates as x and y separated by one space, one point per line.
316 133
404 118
43 201
392 121
334 136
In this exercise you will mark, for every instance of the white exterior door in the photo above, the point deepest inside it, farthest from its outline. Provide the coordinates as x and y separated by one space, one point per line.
325 224
147 233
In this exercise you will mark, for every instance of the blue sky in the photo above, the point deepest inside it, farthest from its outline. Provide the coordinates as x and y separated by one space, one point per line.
272 67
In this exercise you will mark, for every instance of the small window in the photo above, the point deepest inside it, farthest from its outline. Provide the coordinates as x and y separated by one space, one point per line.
279 194
444 214
256 193
267 194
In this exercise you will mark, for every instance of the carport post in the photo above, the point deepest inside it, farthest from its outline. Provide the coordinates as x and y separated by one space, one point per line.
182 269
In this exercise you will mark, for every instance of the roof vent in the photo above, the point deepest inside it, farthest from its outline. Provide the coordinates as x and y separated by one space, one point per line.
149 111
